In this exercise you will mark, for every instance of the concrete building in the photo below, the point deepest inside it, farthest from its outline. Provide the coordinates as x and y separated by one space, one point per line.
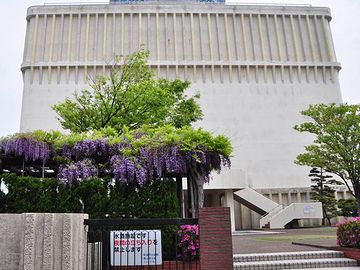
255 66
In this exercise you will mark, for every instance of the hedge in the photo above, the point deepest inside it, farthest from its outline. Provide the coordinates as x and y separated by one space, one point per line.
99 197
348 233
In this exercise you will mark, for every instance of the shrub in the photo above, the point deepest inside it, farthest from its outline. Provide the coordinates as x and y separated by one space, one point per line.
189 242
348 208
348 233
98 197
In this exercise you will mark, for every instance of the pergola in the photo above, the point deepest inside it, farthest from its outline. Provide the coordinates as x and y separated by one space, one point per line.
137 156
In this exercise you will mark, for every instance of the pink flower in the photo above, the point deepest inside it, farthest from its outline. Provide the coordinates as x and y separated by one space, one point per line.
189 242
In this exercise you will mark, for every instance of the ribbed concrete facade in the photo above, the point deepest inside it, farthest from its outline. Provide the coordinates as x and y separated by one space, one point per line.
256 68
33 241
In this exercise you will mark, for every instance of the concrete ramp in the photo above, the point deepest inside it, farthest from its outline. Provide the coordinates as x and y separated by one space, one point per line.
274 215
255 201
296 211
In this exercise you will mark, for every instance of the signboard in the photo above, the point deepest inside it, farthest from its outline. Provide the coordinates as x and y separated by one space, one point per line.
309 209
141 247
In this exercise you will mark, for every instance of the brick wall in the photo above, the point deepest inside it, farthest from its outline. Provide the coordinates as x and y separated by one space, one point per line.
351 253
215 238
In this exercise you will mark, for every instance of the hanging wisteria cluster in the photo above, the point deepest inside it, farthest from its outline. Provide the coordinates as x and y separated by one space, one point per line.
27 148
126 160
76 171
87 148
129 170
164 162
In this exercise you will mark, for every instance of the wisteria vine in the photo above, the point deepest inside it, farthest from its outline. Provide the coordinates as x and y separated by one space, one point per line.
124 159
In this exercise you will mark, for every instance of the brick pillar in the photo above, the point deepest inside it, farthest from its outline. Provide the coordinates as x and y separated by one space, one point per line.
215 239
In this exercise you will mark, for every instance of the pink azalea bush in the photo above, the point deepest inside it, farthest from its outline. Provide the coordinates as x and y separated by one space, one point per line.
189 245
348 233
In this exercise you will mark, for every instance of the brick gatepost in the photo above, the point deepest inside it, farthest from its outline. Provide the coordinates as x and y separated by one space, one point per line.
216 251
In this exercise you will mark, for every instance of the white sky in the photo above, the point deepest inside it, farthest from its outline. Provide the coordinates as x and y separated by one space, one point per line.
344 26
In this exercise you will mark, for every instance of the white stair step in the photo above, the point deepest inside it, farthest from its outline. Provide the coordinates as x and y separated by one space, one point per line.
287 256
296 264
331 268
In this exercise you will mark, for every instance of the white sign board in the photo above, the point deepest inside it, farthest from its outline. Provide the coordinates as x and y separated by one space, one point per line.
309 209
135 248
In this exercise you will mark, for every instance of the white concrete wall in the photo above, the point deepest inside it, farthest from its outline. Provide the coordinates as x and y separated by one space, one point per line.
256 68
33 241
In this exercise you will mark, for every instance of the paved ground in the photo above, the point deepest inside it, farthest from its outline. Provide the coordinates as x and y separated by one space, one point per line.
281 240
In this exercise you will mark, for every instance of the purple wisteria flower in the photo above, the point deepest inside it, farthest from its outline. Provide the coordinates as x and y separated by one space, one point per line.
28 148
147 163
129 170
77 171
87 148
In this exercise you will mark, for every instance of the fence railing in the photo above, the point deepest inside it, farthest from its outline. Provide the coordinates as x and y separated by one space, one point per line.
150 243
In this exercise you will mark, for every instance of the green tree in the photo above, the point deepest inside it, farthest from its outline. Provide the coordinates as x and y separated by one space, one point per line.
348 208
336 147
130 96
322 192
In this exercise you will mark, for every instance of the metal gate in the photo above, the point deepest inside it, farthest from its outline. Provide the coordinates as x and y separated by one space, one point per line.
150 243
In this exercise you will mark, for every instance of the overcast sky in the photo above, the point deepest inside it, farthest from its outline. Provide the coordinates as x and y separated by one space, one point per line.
344 25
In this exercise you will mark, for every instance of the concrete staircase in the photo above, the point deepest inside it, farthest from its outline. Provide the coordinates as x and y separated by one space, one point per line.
330 260
274 215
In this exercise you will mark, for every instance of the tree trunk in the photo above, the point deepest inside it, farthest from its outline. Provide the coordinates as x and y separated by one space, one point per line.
356 187
358 205
191 201
197 188
179 189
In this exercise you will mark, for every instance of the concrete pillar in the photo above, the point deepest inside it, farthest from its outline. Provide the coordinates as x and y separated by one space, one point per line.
280 198
43 241
345 195
289 198
270 195
10 238
229 202
298 196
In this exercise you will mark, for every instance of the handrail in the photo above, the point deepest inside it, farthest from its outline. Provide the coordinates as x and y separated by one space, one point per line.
272 210
140 221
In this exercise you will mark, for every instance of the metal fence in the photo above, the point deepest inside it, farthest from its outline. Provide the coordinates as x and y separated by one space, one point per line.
118 244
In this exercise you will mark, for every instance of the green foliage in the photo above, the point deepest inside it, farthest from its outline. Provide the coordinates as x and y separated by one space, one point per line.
322 192
337 142
94 196
348 233
97 197
130 97
30 194
187 138
348 208
154 200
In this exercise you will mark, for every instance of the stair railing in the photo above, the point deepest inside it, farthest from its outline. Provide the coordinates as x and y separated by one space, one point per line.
266 217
